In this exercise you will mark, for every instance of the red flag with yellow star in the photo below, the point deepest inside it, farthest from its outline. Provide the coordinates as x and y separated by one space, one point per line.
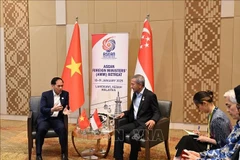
72 72
83 121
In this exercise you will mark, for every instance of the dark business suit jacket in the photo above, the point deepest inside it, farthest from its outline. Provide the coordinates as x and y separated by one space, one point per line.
47 102
148 108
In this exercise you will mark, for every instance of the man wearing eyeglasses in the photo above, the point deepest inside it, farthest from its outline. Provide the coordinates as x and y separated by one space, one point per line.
237 94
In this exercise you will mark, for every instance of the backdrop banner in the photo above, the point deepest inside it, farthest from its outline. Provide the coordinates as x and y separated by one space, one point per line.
109 73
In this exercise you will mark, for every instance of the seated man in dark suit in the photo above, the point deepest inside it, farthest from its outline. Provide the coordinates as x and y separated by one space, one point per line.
52 105
143 113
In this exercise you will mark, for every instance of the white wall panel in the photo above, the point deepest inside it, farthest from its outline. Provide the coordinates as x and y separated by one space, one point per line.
3 107
60 12
227 8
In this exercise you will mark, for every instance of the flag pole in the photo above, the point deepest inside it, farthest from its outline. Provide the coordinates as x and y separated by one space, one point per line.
79 110
147 17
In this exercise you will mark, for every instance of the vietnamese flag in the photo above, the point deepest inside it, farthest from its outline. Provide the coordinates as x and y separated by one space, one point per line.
144 64
83 121
72 72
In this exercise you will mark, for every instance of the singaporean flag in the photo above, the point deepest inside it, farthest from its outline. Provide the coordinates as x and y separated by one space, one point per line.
144 64
95 121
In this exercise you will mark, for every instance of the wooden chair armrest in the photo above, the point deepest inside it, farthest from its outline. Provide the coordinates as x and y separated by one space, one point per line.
29 124
65 119
162 128
120 122
30 115
161 121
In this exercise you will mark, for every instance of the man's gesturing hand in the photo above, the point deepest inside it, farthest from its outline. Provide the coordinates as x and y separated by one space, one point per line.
56 108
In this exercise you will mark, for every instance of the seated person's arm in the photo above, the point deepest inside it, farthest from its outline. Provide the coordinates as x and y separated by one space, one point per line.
48 110
123 114
221 131
207 139
156 113
155 108
44 108
191 155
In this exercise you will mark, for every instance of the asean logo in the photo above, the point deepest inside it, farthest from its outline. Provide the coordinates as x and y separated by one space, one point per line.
109 44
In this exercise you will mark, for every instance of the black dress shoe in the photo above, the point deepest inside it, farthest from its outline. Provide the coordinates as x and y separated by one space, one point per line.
64 157
39 157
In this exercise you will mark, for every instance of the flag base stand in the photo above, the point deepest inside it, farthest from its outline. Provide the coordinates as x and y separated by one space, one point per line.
88 154
106 131
97 150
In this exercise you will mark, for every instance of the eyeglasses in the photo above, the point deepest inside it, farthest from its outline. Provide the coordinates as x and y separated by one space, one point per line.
238 106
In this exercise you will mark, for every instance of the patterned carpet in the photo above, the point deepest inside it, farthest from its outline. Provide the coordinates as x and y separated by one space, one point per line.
14 144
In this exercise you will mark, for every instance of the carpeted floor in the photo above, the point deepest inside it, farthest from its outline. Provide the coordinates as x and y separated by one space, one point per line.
14 144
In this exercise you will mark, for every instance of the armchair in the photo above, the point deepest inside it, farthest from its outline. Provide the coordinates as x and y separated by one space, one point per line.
159 133
32 122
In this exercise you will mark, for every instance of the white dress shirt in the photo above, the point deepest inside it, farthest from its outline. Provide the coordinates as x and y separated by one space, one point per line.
136 103
56 102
